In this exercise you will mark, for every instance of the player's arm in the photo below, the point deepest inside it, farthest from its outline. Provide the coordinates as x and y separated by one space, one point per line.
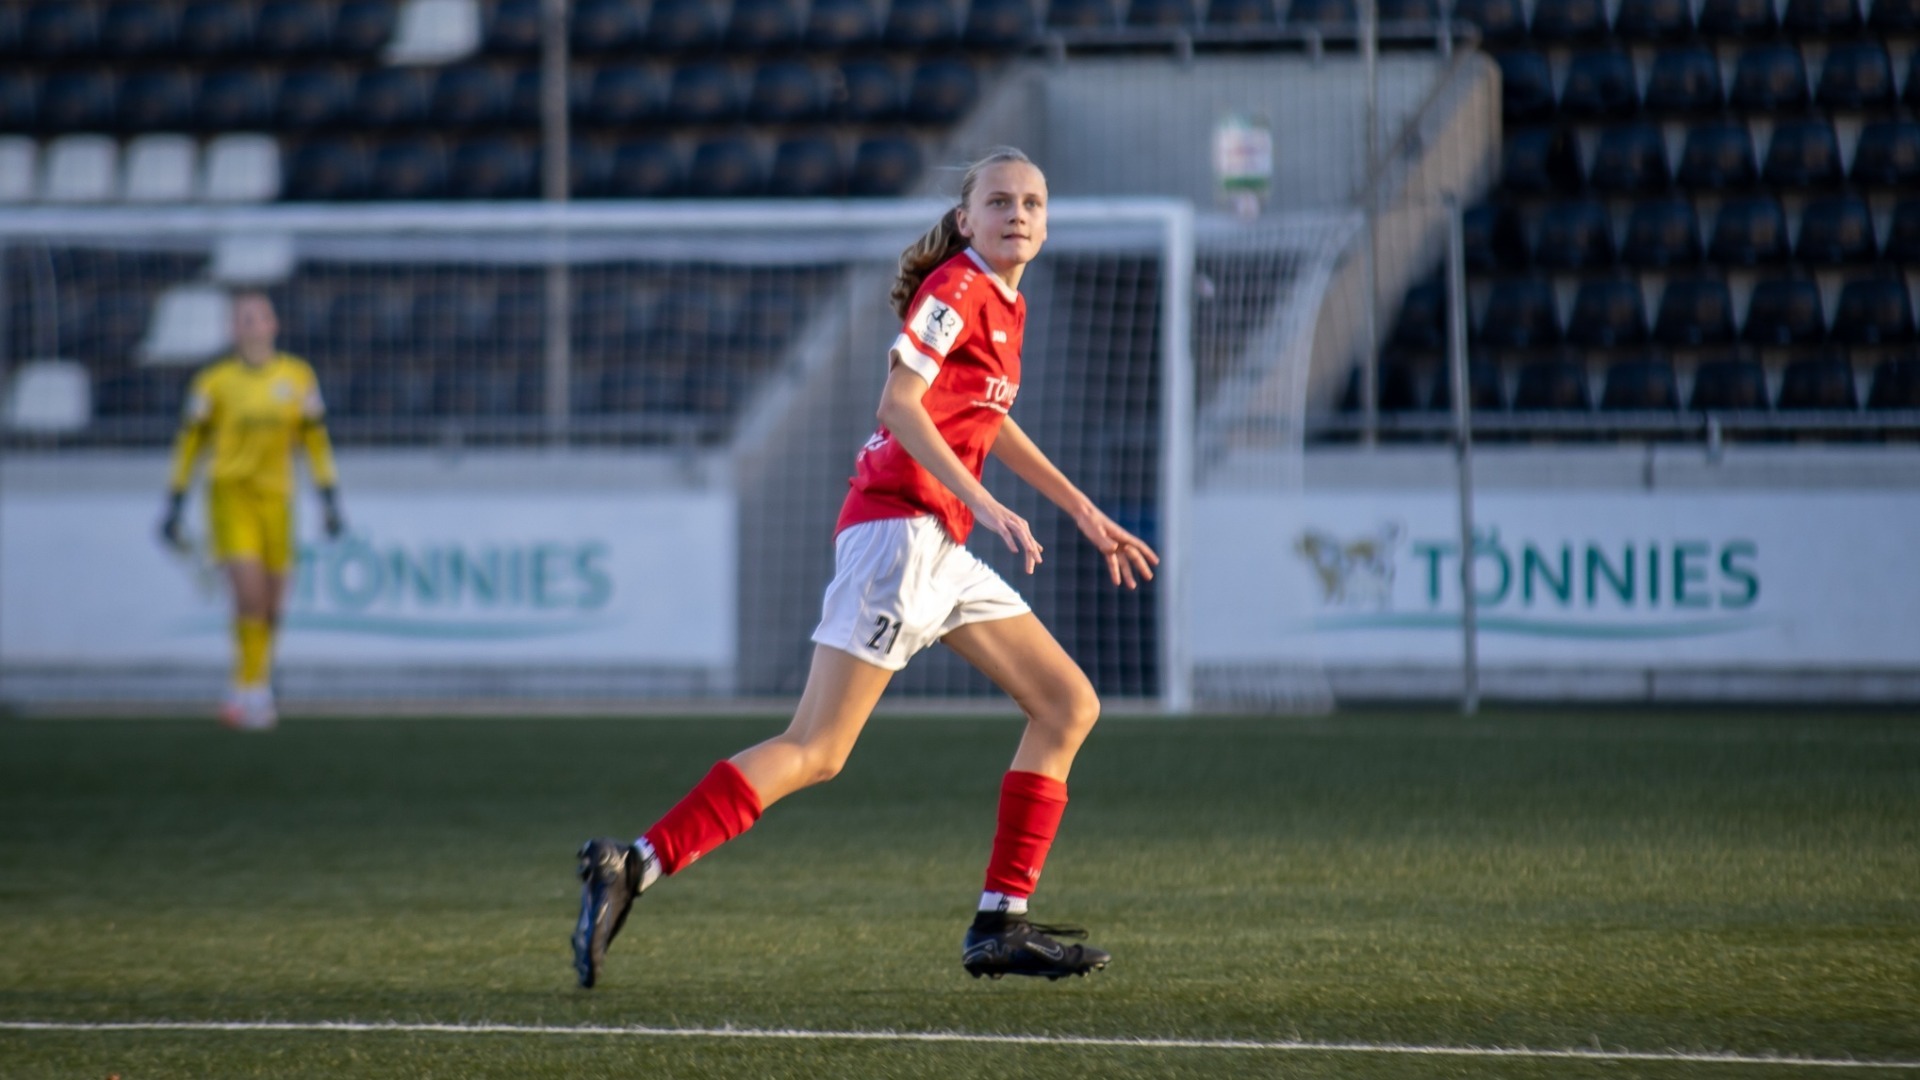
326 479
195 421
905 416
1129 559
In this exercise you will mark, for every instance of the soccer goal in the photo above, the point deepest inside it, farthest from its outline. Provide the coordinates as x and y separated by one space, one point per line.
493 368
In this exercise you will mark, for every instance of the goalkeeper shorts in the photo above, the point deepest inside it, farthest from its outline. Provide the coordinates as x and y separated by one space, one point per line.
247 525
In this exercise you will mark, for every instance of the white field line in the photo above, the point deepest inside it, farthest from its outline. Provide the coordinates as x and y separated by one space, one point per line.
795 1034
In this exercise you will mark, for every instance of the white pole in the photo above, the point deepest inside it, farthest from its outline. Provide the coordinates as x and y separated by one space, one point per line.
1176 458
555 145
1370 203
1463 445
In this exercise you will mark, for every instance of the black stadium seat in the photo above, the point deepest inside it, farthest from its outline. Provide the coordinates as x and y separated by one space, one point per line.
294 28
941 90
1555 383
157 99
806 167
1396 387
785 91
1768 78
725 167
1873 311
622 95
235 99
471 95
78 99
1749 230
1654 20
1645 383
1785 311
1695 311
589 168
1893 16
646 169
1421 325
1630 158
1486 389
884 165
1836 230
1896 384
1539 159
1600 83
1569 20
1661 233
138 31
1526 86
995 23
1247 14
1323 16
870 90
757 26
19 99
1856 75
1521 314
1903 234
1408 12
833 25
60 31
1608 313
363 27
704 92
1803 153
1493 237
600 27
1819 18
1821 381
1498 20
1735 382
1081 15
920 24
408 168
326 170
493 168
1162 14
392 97
1888 154
676 28
1685 80
512 27
1717 155
313 98
1575 235
212 29
1749 19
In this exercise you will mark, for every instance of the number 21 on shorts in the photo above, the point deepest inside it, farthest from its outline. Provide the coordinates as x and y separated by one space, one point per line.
886 630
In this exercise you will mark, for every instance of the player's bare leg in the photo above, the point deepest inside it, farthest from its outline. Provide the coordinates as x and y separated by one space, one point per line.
249 704
841 693
1023 659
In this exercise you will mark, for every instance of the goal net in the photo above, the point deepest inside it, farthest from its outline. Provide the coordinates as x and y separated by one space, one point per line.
576 357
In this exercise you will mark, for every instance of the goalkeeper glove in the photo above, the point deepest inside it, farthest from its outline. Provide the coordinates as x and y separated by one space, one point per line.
330 509
170 525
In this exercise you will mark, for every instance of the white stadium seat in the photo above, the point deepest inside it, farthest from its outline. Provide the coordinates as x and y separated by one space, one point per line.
49 397
159 169
190 323
435 32
81 169
19 168
241 168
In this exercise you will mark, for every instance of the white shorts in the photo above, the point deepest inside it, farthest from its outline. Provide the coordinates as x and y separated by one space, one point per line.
901 584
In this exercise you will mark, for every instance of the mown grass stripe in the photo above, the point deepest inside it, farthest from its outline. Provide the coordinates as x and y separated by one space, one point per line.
1144 1043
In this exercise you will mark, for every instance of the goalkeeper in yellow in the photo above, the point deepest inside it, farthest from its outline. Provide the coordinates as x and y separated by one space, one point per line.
252 408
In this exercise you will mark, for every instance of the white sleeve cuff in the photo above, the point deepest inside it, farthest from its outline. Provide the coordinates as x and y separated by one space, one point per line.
904 351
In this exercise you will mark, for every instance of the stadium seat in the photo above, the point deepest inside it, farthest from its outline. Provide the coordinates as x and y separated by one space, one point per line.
19 99
1769 78
470 96
806 167
1856 75
80 169
1600 84
1521 313
1717 155
619 95
1539 159
1575 235
240 167
1324 16
1803 153
294 28
1873 311
1421 325
1644 383
156 99
884 165
138 31
1836 230
159 169
785 91
704 92
1685 80
1903 235
392 98
1498 20
677 28
326 170
10 31
470 391
1660 234
361 28
915 25
1630 158
1654 20
1896 383
512 27
757 26
833 25
646 169
600 27
1749 230
1893 16
48 397
1526 86
941 90
1569 21
725 167
1749 19
1820 18
1785 311
1888 154
78 99
1081 15
1555 383
1493 237
408 169
870 90
1486 388
434 32
589 168
1694 311
1729 383
1396 387
996 23
1162 14
1242 14
1408 13
313 98
215 29
19 169
1608 313
1822 381
457 312
60 31
494 168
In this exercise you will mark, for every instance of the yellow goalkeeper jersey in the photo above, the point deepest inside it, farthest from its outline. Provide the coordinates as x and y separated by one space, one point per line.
253 414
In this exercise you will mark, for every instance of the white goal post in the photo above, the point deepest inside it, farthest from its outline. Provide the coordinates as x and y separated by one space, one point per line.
1166 353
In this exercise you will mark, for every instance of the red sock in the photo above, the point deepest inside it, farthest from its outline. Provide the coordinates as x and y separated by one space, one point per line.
1030 810
720 807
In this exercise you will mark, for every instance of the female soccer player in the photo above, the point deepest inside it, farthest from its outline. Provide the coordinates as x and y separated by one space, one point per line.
252 405
903 580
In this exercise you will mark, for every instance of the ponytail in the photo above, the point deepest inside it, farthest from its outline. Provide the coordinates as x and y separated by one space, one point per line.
942 242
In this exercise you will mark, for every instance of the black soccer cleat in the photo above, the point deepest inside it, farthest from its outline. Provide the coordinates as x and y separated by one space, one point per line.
999 945
610 875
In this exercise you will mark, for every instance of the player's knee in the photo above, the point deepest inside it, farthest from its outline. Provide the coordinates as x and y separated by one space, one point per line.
822 764
1073 712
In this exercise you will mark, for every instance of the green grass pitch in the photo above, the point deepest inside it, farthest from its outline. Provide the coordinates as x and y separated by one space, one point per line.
1675 883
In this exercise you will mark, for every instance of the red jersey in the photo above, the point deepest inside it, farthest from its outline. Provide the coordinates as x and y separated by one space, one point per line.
963 335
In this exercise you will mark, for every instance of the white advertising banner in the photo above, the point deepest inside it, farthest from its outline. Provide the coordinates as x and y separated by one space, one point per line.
1667 579
451 579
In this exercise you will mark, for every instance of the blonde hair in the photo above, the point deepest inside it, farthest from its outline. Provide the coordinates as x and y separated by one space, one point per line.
943 241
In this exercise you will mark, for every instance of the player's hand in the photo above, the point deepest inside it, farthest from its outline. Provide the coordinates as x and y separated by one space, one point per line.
1012 528
331 520
170 524
1129 560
